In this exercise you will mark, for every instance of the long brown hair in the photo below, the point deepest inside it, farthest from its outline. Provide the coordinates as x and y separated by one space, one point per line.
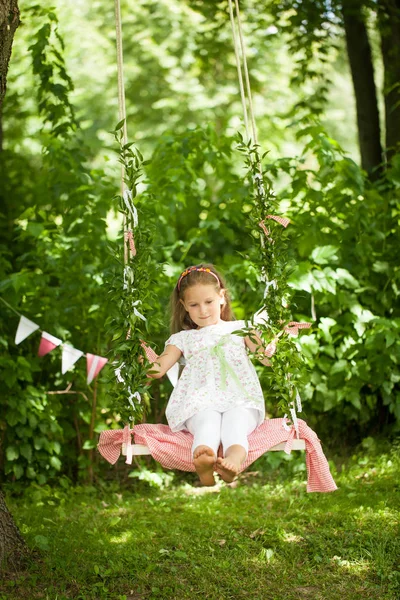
208 275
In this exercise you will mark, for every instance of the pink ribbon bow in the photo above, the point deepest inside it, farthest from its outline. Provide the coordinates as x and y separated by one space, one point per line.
293 327
130 239
149 352
284 221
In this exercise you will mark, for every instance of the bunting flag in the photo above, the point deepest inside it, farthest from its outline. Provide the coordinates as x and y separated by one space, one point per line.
25 328
48 343
69 357
94 366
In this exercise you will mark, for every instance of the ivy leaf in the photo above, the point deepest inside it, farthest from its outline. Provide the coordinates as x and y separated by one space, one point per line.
323 255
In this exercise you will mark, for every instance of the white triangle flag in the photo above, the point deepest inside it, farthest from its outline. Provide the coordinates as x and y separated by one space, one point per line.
69 357
25 328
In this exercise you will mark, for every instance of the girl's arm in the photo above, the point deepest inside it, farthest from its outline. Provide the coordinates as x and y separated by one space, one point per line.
164 362
257 347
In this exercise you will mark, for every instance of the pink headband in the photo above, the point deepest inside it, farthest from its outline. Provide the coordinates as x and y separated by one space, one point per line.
199 269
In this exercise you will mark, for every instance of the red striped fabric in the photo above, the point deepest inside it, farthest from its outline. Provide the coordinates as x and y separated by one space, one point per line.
266 231
174 450
131 240
293 327
149 352
282 220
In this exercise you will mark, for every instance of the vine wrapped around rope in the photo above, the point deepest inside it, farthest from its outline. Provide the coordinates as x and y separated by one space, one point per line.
131 301
272 258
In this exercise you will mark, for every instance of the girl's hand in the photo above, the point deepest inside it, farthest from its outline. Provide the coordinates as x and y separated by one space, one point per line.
255 345
165 361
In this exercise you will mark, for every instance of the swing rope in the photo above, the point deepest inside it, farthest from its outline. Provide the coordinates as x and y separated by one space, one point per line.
245 69
127 225
239 70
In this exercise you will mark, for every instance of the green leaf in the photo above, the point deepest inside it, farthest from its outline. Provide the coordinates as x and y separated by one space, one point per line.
89 444
339 366
12 453
18 470
55 462
26 451
325 324
323 255
120 125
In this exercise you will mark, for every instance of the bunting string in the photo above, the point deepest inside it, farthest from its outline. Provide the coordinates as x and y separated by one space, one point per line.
48 343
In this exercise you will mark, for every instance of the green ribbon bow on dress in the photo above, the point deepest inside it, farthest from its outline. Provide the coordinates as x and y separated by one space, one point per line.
226 368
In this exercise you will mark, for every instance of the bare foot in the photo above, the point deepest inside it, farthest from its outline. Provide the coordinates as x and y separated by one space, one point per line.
228 469
204 462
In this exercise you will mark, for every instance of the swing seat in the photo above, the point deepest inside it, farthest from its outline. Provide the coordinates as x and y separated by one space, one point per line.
174 450
143 450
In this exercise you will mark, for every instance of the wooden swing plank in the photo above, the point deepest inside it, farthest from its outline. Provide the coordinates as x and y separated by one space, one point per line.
142 450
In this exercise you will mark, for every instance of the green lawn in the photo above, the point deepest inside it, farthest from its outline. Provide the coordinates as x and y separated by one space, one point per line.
265 539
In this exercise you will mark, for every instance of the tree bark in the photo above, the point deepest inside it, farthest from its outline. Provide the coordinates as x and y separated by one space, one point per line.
12 546
362 73
389 27
9 21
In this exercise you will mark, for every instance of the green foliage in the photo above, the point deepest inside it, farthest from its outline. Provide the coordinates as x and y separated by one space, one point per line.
56 208
347 266
48 65
274 264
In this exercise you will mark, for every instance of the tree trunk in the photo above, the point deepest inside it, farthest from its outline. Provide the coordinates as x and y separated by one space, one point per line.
362 72
389 27
12 546
9 21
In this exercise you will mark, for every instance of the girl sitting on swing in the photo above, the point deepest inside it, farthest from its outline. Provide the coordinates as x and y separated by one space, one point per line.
218 397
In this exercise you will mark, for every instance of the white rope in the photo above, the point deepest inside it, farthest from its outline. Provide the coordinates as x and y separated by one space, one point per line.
122 112
245 68
239 70
246 72
120 67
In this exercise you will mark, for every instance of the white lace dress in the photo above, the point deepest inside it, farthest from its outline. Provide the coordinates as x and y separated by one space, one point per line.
218 374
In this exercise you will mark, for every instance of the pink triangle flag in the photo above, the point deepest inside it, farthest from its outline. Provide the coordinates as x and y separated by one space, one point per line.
69 357
48 343
25 328
94 366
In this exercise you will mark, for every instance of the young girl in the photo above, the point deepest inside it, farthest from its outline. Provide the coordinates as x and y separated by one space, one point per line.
218 397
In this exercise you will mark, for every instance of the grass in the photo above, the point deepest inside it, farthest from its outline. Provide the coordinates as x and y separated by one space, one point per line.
263 539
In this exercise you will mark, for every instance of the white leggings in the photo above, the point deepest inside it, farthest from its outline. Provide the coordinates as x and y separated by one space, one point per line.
211 428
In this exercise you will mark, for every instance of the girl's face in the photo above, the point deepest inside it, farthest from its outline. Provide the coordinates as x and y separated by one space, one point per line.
203 303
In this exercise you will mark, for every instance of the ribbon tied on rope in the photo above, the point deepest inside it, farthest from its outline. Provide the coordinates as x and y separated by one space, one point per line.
149 352
127 443
284 221
136 312
129 277
128 200
293 327
129 239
